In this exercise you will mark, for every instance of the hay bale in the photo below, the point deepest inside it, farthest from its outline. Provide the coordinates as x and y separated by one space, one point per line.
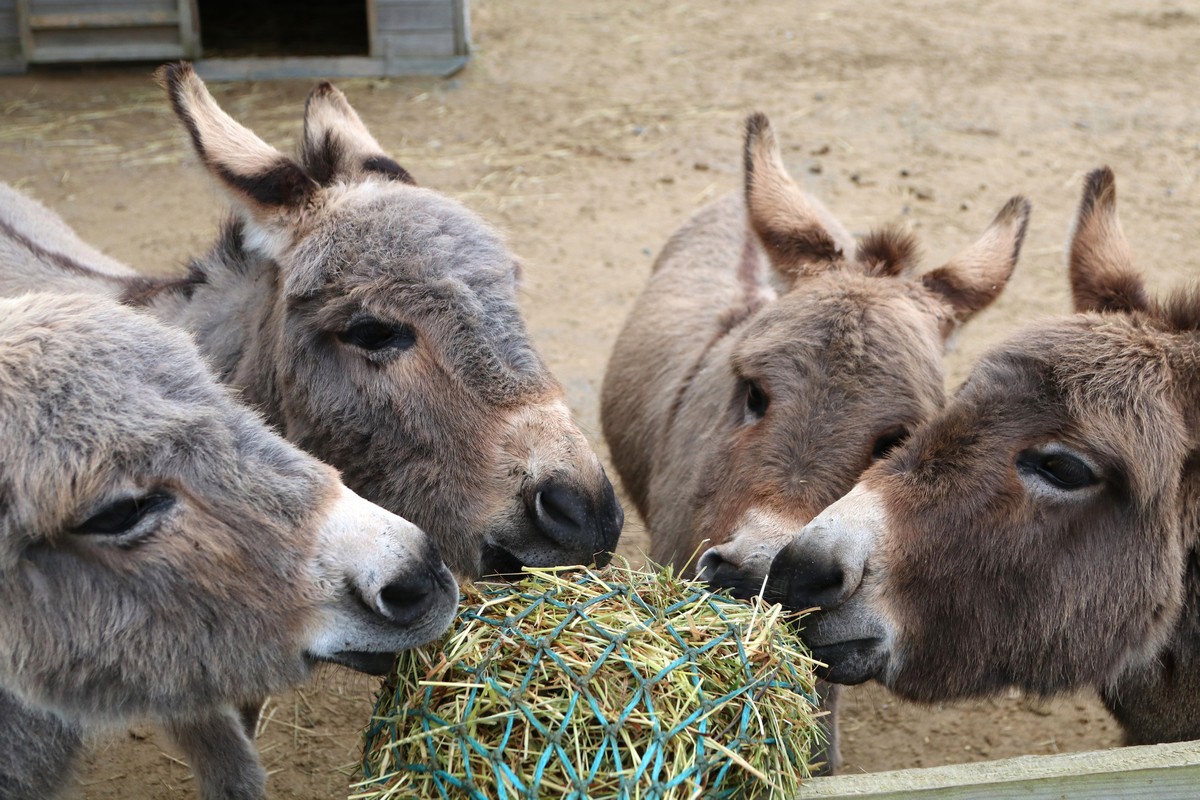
597 684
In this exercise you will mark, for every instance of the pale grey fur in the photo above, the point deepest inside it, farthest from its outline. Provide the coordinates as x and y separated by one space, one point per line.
252 562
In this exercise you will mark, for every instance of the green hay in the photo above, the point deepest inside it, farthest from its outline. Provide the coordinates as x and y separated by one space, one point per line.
615 683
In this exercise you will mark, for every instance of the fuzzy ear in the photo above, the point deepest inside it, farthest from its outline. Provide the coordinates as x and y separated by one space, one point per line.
1103 277
798 233
976 276
337 145
269 188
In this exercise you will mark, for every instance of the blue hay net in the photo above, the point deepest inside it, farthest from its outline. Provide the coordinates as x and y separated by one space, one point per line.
645 771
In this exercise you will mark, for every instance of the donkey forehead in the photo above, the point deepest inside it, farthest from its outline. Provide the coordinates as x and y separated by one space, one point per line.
1088 363
1098 383
380 229
93 395
842 325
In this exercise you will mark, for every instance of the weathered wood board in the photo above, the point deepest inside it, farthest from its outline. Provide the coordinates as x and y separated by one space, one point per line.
406 37
1162 772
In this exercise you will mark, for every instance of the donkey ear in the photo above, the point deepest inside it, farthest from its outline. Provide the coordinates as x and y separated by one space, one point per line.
798 233
976 276
1103 277
269 187
336 142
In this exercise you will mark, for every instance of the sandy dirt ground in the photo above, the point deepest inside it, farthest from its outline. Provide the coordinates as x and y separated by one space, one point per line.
588 132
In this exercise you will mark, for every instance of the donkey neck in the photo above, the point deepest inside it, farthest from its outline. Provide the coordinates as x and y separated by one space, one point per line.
231 307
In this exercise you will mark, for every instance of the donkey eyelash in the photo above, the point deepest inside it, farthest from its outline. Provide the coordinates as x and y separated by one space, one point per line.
377 336
124 520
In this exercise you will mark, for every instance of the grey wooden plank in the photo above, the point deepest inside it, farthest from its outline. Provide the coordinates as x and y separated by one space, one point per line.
26 35
12 62
8 24
104 19
426 16
61 54
240 69
189 28
462 28
85 7
1152 771
105 37
372 27
419 44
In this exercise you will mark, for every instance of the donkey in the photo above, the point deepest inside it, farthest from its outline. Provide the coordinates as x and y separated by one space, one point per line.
164 554
375 324
764 367
1043 530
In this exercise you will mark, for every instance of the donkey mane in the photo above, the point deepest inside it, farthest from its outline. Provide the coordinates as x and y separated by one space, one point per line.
888 251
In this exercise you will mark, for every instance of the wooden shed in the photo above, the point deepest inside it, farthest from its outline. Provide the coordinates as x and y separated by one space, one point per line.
242 38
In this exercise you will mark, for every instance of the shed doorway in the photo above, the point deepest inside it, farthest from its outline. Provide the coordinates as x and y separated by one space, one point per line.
282 28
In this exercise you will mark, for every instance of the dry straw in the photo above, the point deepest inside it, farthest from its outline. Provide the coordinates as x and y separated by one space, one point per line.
615 683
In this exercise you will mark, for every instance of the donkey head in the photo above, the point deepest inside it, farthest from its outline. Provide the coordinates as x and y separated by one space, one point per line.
832 375
1035 532
160 548
393 343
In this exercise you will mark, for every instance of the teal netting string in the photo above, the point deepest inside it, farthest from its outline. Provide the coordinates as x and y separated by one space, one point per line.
646 770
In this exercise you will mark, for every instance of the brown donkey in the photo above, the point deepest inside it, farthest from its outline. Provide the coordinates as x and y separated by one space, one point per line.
164 554
1043 530
770 360
375 324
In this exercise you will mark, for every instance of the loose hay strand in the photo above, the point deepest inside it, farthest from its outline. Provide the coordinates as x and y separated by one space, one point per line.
581 684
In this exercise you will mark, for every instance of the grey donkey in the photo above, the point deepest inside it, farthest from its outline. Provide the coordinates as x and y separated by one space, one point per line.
164 554
374 323
771 359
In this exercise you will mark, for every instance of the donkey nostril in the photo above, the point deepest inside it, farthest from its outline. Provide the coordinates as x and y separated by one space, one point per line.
550 506
828 583
406 600
578 521
560 514
802 576
722 574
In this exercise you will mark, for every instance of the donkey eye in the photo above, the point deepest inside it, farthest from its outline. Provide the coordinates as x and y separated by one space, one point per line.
124 515
1062 470
888 441
757 402
375 334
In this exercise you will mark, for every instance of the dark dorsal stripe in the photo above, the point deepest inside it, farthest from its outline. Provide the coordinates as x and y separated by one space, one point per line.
135 290
142 291
59 260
